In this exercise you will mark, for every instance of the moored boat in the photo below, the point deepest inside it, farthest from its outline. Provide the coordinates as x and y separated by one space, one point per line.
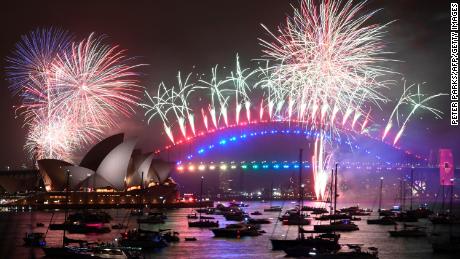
273 209
382 221
408 232
34 239
342 225
236 231
143 239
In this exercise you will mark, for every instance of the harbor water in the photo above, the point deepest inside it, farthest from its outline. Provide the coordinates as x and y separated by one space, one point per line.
14 225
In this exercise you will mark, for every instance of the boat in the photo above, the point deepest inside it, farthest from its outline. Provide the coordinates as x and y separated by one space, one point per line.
407 231
273 209
355 211
34 239
382 221
240 204
420 213
406 217
326 243
236 231
342 225
296 219
346 251
192 216
308 208
384 212
444 219
90 217
412 215
385 220
336 216
258 221
292 213
315 240
208 211
109 253
203 222
67 252
85 222
256 213
206 217
144 239
317 211
235 215
119 226
171 236
452 244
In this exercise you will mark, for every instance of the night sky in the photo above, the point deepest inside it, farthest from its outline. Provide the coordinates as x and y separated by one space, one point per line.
177 35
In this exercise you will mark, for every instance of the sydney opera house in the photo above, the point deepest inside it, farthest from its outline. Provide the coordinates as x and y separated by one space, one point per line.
112 173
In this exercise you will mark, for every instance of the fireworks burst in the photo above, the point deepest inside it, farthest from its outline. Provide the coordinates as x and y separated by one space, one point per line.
69 91
95 81
327 63
325 68
33 57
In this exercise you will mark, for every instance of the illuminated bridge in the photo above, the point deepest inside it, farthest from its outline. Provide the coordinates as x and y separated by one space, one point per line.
252 156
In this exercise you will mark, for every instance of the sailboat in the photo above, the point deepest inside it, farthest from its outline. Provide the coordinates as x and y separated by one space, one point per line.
444 217
412 215
272 208
320 242
386 220
452 244
85 221
66 251
203 223
144 239
341 225
153 217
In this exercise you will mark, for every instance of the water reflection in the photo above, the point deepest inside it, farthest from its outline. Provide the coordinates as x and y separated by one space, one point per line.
14 225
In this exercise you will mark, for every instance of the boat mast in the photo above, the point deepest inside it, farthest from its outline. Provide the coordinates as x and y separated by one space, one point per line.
336 194
330 201
201 194
403 188
411 186
380 195
271 193
300 193
140 200
443 197
141 193
66 205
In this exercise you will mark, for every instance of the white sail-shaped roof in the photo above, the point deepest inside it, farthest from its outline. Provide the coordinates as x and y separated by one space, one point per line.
162 169
145 171
115 165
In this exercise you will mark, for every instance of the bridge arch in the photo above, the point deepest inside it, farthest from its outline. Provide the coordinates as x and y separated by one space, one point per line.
195 146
